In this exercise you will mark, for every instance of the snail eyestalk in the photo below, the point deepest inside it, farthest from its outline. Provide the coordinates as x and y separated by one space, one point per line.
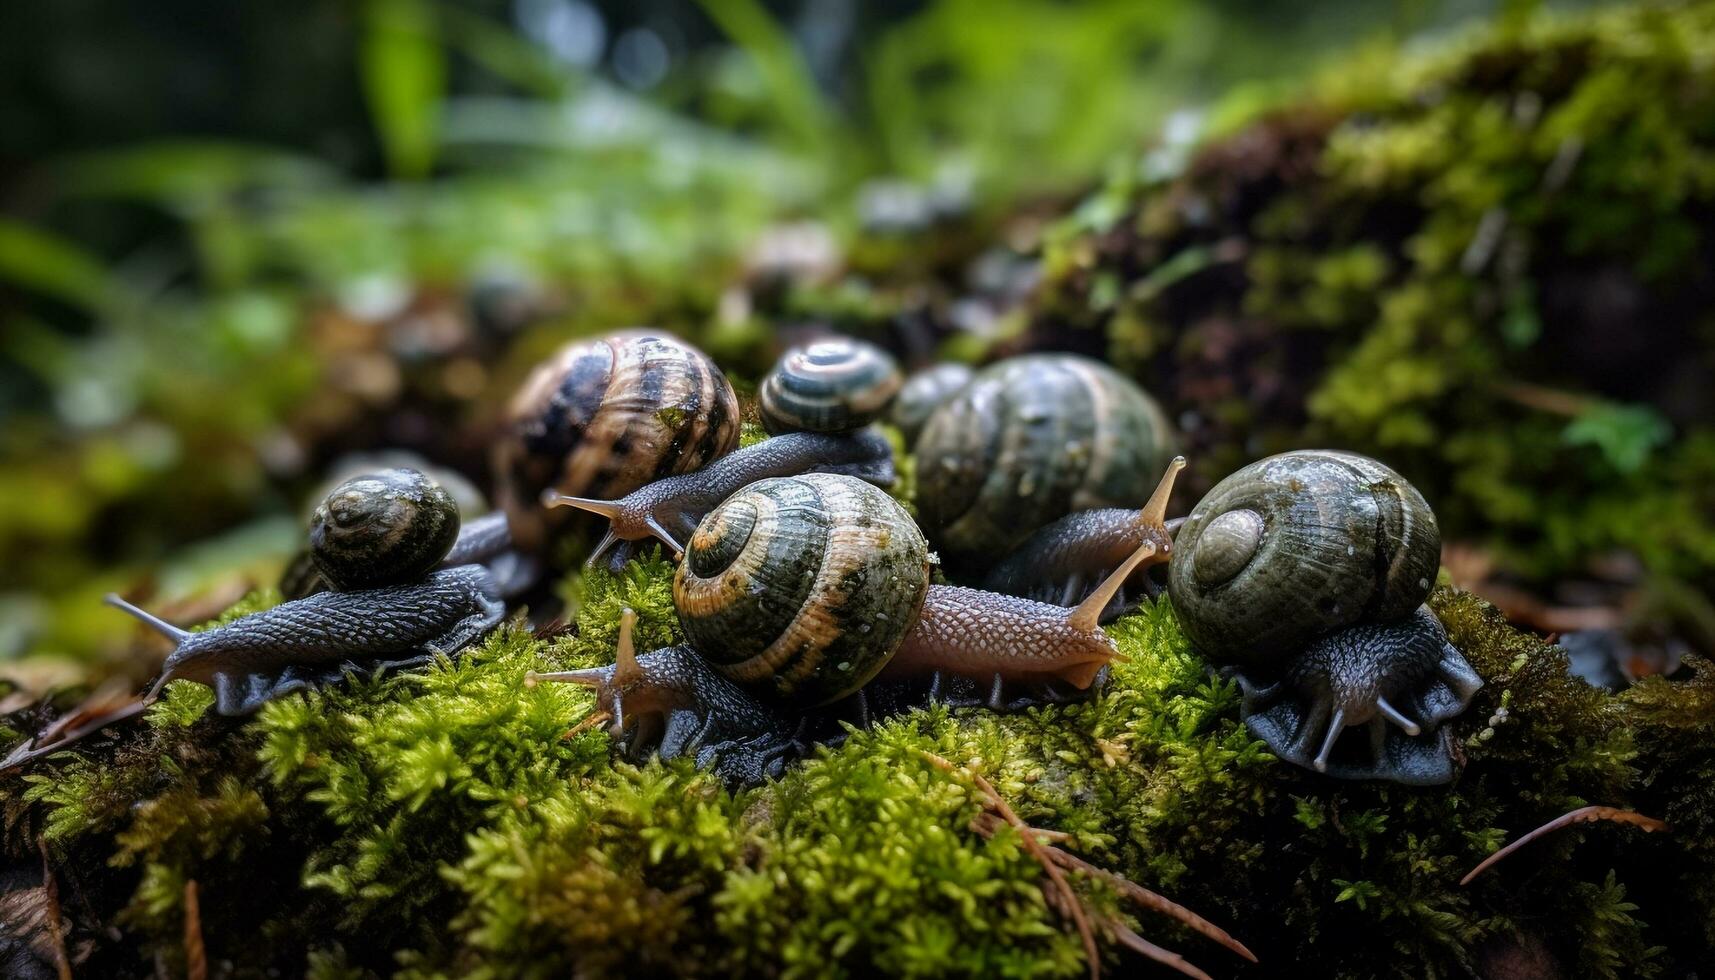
1087 614
626 670
171 632
1154 513
606 508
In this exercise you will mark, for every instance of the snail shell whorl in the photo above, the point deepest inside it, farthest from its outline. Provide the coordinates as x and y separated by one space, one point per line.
1030 440
1298 545
382 529
924 392
801 588
601 418
835 385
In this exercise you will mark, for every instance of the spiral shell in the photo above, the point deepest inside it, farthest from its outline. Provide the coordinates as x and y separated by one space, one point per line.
1030 440
834 385
382 528
924 392
1295 546
801 588
601 418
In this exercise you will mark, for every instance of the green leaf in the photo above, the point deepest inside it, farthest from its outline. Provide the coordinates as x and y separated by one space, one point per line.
1626 434
53 266
790 85
404 79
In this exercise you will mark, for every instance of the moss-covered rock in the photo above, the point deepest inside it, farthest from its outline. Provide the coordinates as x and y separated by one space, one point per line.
1488 266
456 821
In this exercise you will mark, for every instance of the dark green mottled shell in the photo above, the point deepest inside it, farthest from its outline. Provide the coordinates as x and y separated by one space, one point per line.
1028 441
384 528
924 392
835 385
1295 546
601 418
801 588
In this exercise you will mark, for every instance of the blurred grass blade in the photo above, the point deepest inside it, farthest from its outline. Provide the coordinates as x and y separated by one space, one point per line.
507 56
404 78
790 85
186 171
45 263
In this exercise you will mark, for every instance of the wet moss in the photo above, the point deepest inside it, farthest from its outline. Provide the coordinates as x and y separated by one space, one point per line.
455 821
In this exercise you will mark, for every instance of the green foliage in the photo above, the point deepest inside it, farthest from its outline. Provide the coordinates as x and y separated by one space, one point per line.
1413 259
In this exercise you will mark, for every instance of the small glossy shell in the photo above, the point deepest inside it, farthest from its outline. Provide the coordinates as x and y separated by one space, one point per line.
1298 545
1029 441
603 417
835 385
384 528
924 392
801 588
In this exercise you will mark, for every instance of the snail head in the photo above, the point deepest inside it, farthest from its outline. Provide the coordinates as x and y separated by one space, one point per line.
629 519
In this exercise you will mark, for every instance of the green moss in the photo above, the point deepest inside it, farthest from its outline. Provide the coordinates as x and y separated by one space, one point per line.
441 821
1483 265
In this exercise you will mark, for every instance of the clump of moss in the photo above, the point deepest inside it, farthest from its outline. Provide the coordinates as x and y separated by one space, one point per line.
457 821
1485 266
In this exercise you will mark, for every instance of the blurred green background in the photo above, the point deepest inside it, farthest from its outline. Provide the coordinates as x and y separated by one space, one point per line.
238 241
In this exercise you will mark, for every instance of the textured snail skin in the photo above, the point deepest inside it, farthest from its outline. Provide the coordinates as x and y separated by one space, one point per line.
1028 441
310 641
1339 681
999 639
601 418
678 503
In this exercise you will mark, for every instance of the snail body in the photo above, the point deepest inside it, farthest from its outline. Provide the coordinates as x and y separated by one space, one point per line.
670 509
1061 562
1305 574
818 400
601 418
383 541
808 597
1028 441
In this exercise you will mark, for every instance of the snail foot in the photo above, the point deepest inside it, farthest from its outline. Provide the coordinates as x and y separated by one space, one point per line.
1367 702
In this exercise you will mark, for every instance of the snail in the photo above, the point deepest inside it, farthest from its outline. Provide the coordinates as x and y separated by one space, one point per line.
817 398
1028 441
1306 574
601 418
835 385
380 537
1060 562
805 595
924 392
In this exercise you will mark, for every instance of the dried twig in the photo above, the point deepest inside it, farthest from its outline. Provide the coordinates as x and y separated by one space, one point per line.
196 956
56 931
1040 844
1588 814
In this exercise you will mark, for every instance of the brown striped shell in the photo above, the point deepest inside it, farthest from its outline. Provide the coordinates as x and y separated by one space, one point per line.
1028 441
601 418
801 588
1298 545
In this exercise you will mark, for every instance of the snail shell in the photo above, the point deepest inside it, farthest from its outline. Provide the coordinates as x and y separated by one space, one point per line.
382 528
924 392
801 588
601 418
1030 440
835 385
1298 545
